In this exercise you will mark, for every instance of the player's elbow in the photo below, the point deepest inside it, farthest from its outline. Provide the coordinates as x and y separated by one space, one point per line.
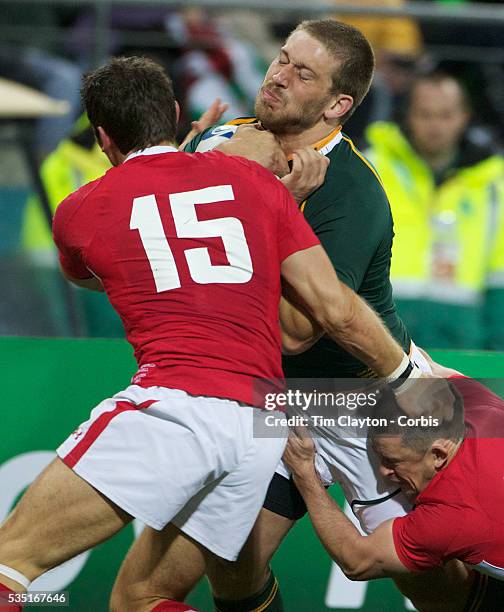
355 574
294 346
357 559
358 571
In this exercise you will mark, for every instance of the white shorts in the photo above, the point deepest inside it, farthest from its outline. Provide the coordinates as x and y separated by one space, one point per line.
165 456
353 464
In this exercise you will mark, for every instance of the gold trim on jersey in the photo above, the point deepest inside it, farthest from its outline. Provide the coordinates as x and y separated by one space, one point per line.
359 154
325 141
241 121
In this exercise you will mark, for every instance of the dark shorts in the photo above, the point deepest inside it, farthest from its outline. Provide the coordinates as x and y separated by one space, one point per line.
487 595
283 498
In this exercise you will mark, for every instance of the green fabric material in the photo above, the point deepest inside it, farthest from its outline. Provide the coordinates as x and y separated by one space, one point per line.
351 216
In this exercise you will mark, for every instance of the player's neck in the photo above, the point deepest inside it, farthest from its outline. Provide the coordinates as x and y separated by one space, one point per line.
163 143
307 138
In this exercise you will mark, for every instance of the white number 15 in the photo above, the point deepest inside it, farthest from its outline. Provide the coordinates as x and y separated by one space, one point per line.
146 219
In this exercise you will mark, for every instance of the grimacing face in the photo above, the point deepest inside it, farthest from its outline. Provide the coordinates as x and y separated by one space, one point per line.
296 89
406 467
437 116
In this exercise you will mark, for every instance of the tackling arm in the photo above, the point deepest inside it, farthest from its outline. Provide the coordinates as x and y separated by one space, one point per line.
339 311
299 331
360 557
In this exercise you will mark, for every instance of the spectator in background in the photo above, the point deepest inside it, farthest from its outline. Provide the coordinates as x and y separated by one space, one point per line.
447 198
472 50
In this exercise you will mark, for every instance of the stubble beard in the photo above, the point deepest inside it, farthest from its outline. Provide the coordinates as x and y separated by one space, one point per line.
281 122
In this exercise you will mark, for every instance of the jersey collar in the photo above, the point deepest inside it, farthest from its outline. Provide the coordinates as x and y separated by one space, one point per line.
152 151
327 144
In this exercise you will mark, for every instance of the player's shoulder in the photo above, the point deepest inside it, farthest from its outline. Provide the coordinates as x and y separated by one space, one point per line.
352 165
75 201
352 189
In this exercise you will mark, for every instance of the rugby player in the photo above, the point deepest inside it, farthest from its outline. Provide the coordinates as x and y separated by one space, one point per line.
453 472
321 74
190 252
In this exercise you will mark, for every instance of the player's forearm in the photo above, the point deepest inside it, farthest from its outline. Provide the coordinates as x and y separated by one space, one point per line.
345 545
354 325
339 311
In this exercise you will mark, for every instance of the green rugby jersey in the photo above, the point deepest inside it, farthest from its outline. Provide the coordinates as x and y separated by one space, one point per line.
351 216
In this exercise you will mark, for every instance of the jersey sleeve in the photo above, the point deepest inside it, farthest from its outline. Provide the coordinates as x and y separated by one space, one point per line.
422 538
294 233
355 229
68 238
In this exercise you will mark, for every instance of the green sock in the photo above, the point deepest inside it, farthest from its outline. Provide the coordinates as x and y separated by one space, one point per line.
268 599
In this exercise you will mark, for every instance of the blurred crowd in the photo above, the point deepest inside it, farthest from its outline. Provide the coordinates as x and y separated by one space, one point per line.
432 124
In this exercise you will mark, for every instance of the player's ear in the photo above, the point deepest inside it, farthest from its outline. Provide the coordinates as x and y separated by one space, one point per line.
109 147
103 138
340 105
440 453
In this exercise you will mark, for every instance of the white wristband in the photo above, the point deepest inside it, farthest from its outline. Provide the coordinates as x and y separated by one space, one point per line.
13 574
399 370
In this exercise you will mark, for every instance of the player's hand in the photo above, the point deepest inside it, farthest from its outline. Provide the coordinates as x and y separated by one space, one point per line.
426 396
256 144
308 172
299 454
211 116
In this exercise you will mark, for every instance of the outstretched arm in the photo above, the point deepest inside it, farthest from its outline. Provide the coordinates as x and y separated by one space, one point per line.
339 311
360 557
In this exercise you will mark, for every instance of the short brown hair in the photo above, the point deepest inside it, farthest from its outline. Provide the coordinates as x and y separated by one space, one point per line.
355 57
132 99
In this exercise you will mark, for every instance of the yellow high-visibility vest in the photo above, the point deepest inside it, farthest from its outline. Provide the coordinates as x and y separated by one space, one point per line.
449 239
69 167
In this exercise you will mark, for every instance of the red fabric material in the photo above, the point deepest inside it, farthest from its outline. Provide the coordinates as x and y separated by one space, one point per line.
4 606
459 514
204 337
170 605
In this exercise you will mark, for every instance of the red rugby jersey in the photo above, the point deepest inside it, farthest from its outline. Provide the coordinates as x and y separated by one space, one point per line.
460 513
188 248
